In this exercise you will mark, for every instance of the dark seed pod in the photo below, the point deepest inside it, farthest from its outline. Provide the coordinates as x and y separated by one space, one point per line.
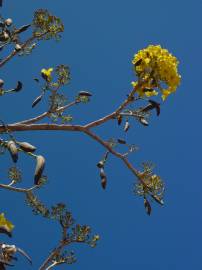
1 83
27 147
85 93
22 29
104 182
119 118
127 126
138 62
155 105
13 150
147 207
121 141
143 121
18 87
40 164
36 101
4 229
100 164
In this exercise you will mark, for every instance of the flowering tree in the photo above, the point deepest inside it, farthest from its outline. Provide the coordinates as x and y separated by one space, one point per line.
157 74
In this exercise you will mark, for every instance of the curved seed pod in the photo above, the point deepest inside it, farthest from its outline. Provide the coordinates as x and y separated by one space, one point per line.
13 150
18 87
40 164
27 147
143 121
21 251
36 101
22 29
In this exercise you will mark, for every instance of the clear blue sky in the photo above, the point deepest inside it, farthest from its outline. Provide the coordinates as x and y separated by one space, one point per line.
98 44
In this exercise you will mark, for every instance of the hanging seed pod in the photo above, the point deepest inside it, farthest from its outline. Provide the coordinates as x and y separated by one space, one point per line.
127 126
102 173
143 121
100 164
147 207
27 147
22 29
104 182
36 101
13 150
121 141
21 251
18 87
119 119
156 105
40 164
85 94
1 83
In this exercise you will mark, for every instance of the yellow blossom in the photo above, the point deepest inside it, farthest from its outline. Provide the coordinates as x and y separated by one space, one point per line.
156 66
46 74
5 223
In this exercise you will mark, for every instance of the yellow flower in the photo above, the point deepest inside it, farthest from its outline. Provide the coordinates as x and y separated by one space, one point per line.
156 66
46 74
5 223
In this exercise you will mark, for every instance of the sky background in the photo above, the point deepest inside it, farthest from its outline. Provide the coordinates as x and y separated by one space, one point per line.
98 44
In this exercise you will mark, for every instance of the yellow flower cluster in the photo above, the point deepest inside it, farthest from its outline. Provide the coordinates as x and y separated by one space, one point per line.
46 74
5 223
158 68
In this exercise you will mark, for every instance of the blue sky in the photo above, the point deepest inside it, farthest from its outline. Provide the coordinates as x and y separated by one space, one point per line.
98 44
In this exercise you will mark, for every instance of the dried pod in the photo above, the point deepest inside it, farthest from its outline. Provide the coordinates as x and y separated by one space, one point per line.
40 164
27 147
13 150
8 21
1 83
21 251
5 230
18 47
155 105
147 207
121 141
102 173
143 121
127 126
5 36
36 101
104 182
22 29
100 164
18 87
138 62
85 93
119 118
